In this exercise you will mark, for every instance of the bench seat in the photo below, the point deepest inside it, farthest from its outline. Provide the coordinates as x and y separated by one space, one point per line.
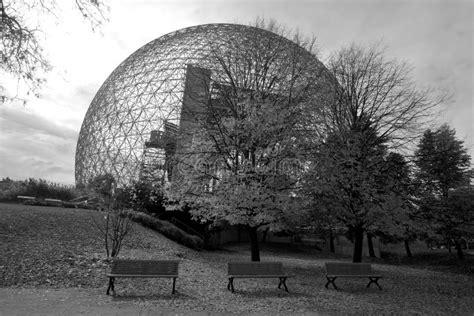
142 275
256 270
354 276
249 276
336 270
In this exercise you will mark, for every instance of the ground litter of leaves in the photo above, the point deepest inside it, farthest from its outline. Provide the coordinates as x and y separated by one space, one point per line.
54 249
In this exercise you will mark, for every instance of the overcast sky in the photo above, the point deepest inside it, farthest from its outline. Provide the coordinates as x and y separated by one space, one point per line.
39 140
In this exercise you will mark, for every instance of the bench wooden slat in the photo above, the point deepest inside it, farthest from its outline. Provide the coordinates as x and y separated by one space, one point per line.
349 269
145 267
354 276
255 268
258 276
142 275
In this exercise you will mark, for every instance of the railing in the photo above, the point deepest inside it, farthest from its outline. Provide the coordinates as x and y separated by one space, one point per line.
185 227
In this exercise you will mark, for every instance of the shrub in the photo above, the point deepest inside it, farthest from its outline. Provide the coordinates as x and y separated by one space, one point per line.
39 188
167 229
146 197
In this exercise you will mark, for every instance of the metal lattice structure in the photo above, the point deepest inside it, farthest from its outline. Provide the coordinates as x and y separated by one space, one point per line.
126 121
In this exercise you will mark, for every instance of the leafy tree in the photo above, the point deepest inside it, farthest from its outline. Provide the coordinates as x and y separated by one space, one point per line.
21 51
348 185
246 138
374 106
458 221
406 224
442 161
144 196
443 167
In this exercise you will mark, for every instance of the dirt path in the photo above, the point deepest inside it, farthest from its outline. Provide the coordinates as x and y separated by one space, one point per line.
15 301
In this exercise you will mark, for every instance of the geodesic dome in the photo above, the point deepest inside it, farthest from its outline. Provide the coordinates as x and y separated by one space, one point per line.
144 95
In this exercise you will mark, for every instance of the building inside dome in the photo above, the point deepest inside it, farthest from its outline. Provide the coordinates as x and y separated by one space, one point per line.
142 115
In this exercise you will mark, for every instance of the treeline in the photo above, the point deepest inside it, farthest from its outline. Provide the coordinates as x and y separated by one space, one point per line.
373 192
38 188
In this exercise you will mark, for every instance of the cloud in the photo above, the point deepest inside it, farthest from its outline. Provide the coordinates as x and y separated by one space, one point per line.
20 166
25 122
34 146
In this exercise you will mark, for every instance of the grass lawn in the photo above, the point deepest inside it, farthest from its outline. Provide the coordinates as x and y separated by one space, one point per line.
56 249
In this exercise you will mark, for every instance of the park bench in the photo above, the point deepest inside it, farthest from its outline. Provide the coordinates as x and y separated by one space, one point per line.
53 201
256 270
26 198
336 270
127 268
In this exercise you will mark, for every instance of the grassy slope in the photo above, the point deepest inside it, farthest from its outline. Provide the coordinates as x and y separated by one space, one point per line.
53 247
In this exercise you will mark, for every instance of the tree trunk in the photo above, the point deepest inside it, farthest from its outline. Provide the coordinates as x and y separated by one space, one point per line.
106 234
407 248
358 243
370 245
459 250
254 249
264 235
449 245
331 242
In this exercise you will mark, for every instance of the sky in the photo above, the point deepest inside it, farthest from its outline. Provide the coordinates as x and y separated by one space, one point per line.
39 139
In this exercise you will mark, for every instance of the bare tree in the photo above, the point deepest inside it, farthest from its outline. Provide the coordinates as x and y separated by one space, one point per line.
375 106
377 93
115 225
21 50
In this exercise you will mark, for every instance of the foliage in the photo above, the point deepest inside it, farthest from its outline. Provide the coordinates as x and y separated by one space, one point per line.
247 136
407 225
39 188
348 185
375 106
21 50
103 187
442 161
443 172
166 229
452 217
145 196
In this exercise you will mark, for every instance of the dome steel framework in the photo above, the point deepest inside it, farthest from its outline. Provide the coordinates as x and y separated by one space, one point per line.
142 99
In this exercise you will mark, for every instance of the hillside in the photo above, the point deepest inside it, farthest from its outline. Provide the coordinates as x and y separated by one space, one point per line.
61 247
53 251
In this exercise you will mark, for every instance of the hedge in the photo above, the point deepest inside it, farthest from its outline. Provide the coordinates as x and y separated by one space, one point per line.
167 229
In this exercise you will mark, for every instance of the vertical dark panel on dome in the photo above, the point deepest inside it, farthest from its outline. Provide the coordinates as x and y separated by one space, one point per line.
195 98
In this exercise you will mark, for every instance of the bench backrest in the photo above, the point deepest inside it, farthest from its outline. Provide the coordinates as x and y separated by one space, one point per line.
145 267
348 268
254 268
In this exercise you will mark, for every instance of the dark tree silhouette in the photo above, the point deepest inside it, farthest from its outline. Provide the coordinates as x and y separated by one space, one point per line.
443 171
375 104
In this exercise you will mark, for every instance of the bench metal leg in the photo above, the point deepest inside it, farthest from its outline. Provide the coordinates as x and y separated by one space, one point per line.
230 285
111 285
282 282
374 281
331 281
174 286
